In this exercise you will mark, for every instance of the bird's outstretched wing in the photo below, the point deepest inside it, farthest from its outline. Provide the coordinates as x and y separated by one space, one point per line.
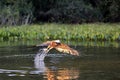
44 44
47 43
66 49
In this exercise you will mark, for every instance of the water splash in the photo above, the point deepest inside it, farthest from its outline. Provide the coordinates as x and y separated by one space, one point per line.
39 65
39 62
41 55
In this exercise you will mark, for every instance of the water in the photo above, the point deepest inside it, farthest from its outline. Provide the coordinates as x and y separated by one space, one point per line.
96 62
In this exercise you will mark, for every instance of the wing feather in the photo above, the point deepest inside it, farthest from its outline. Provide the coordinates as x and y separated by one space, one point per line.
48 43
66 49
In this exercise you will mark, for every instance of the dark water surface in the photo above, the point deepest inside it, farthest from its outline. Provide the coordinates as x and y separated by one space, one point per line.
97 61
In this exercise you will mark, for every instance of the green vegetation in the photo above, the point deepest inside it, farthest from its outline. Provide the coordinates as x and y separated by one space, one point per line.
83 32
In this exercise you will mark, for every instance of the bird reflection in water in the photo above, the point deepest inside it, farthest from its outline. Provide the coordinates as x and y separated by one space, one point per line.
56 72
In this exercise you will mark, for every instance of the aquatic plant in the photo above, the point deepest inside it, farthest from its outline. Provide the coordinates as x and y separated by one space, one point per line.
79 32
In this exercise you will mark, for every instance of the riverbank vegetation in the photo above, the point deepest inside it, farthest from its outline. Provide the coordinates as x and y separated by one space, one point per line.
48 31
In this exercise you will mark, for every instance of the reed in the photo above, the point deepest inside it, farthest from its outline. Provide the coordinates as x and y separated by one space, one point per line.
79 32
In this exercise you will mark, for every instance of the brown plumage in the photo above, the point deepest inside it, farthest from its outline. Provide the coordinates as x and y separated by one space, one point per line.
60 47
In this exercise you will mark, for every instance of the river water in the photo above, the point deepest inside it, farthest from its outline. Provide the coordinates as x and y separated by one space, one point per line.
97 61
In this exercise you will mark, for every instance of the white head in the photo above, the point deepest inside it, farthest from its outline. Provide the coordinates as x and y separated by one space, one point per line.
57 41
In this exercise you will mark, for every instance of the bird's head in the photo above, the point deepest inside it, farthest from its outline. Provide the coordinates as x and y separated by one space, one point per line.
53 44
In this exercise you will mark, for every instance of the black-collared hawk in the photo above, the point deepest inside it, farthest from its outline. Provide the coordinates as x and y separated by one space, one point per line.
56 44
